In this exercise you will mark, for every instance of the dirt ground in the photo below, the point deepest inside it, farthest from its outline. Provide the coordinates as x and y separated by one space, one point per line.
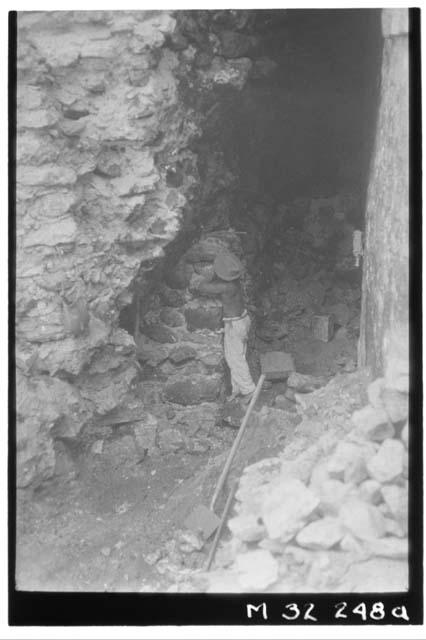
96 532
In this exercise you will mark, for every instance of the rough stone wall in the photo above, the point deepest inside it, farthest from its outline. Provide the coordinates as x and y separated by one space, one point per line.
105 180
384 321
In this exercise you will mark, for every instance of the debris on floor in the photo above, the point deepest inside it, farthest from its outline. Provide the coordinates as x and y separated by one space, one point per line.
318 515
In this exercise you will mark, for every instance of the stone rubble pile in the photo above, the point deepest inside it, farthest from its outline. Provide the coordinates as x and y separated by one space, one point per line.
322 517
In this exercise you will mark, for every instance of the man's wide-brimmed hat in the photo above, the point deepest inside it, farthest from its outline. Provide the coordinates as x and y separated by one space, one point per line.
228 267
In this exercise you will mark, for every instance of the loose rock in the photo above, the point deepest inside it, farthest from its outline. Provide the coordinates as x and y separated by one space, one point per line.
363 520
305 383
370 491
246 527
373 423
257 569
322 534
388 463
349 462
397 500
286 507
395 404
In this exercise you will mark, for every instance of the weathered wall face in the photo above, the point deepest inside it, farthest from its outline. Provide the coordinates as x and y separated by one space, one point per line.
384 320
105 179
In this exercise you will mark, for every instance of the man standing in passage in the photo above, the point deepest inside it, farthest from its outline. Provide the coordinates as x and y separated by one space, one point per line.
226 284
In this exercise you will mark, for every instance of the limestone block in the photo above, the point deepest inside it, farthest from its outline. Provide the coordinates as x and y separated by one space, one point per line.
107 391
363 520
319 474
276 365
395 404
388 463
71 128
246 527
182 354
36 118
171 317
370 491
35 148
349 461
130 185
159 333
192 390
52 205
46 174
377 575
304 383
374 392
332 495
57 49
152 354
40 403
151 32
108 163
256 569
397 500
373 423
98 49
287 505
389 547
200 316
52 233
321 534
393 528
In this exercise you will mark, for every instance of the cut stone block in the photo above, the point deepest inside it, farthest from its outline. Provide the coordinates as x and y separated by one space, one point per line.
323 327
276 365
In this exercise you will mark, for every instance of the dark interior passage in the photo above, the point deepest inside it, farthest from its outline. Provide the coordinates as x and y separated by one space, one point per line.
307 129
